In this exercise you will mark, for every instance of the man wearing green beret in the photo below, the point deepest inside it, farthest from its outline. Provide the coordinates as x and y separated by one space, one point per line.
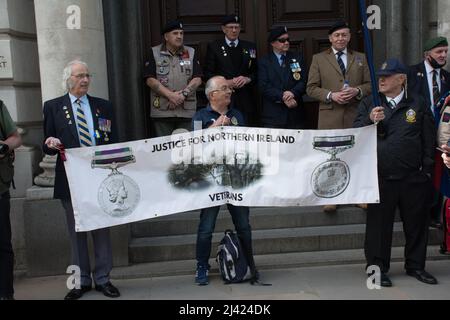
431 81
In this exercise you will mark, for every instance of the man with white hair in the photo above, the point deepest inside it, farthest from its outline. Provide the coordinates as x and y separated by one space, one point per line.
72 121
218 114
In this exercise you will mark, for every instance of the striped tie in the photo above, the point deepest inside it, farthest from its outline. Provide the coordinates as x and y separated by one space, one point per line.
83 129
436 91
341 62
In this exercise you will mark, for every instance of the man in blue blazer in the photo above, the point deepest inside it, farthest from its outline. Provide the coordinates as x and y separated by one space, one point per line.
72 121
282 81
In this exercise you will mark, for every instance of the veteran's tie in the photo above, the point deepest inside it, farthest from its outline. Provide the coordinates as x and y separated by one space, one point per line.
283 61
83 129
392 104
341 62
436 91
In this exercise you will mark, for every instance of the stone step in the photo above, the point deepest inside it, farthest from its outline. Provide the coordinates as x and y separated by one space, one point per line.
264 262
268 241
260 218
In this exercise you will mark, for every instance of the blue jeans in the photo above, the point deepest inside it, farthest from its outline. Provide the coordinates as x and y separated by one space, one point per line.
208 217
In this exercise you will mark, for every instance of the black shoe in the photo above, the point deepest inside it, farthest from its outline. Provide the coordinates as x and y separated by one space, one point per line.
108 290
76 294
385 281
422 276
435 225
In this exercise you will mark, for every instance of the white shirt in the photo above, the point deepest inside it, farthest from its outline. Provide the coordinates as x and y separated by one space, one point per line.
429 69
343 57
87 114
236 42
397 99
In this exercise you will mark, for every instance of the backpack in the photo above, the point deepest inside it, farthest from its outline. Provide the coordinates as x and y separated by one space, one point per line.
231 259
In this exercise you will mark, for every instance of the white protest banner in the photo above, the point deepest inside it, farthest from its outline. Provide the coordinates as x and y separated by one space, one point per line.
122 183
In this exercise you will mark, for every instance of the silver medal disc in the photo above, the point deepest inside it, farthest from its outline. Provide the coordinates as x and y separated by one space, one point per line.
118 195
330 179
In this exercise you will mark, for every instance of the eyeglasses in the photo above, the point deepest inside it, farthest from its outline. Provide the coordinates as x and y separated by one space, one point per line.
224 88
283 40
233 27
82 76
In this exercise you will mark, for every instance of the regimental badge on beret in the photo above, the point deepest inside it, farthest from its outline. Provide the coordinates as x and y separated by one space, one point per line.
234 121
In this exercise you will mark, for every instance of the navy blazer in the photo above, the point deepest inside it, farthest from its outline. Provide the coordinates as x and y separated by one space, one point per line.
57 124
274 81
418 81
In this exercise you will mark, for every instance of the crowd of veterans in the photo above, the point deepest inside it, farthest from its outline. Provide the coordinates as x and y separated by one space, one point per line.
411 169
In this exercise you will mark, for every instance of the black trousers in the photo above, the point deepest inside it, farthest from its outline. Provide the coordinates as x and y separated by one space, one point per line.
409 195
6 251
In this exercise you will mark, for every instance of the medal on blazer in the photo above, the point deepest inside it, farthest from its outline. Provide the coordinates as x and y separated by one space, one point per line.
157 103
104 125
224 51
411 116
253 53
296 69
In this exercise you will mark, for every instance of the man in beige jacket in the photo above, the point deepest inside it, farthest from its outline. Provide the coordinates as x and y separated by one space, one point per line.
339 78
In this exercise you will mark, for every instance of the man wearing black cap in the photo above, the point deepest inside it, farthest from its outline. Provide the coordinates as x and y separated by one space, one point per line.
282 80
338 78
235 59
431 81
173 74
405 164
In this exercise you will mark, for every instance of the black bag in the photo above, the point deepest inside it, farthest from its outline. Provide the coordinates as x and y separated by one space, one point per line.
231 259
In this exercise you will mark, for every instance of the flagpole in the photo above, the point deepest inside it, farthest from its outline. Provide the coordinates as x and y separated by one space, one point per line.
369 53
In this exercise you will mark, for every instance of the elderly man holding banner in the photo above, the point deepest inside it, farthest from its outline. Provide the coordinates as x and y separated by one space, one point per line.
72 121
405 164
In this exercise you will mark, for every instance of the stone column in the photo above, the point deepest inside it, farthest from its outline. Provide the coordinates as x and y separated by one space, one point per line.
66 30
416 21
19 86
395 45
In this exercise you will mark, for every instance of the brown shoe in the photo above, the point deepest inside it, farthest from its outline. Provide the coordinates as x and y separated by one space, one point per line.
362 206
329 209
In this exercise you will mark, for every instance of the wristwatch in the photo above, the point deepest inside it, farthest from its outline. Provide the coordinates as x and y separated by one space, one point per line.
185 93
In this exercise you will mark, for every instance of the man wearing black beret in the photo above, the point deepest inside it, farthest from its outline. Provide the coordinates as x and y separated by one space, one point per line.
282 80
173 74
338 78
431 81
235 60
